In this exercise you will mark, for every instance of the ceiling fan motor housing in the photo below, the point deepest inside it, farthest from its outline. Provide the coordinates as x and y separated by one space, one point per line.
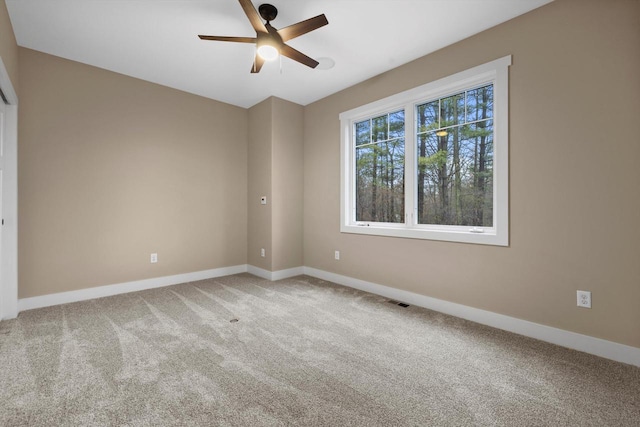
268 12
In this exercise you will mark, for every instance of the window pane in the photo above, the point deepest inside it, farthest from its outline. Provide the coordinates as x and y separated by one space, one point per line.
452 110
427 116
433 166
480 103
380 182
379 131
476 196
396 124
455 176
363 132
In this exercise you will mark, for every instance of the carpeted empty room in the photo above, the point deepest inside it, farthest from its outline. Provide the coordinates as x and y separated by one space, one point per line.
372 213
243 351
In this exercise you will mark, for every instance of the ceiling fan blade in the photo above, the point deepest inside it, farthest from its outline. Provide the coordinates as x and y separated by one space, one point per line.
303 27
258 62
296 55
229 39
252 14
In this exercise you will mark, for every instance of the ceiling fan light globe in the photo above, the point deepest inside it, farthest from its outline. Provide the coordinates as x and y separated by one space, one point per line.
268 52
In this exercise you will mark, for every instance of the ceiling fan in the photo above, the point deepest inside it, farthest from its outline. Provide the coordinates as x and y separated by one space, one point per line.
270 42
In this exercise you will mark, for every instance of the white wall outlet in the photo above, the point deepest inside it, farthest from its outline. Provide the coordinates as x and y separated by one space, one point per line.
263 253
584 299
263 200
337 255
154 258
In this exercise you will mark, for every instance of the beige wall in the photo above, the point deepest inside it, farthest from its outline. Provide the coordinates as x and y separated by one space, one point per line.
113 168
288 184
8 46
574 199
275 170
259 184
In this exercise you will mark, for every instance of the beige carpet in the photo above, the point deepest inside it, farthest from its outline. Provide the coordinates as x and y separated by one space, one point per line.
302 352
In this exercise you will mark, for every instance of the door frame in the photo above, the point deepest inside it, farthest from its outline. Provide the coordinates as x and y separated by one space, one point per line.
9 241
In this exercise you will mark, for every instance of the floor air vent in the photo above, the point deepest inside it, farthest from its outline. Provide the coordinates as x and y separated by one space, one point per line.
401 304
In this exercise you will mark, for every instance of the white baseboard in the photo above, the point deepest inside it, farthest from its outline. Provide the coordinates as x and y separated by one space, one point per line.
285 274
156 282
275 275
260 272
596 346
122 288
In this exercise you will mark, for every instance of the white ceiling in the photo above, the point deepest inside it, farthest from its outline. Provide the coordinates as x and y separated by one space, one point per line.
156 40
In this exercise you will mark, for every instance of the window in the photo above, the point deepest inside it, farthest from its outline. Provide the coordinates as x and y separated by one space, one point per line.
379 155
431 162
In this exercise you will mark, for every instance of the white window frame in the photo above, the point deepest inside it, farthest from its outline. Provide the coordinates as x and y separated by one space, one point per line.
495 72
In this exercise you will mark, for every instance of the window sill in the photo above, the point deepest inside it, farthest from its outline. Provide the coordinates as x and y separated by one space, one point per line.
486 237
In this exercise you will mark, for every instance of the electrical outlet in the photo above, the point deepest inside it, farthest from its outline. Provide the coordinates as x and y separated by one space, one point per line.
584 299
263 253
337 255
154 258
263 200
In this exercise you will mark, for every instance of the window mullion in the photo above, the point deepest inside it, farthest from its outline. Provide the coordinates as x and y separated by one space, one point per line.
410 162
